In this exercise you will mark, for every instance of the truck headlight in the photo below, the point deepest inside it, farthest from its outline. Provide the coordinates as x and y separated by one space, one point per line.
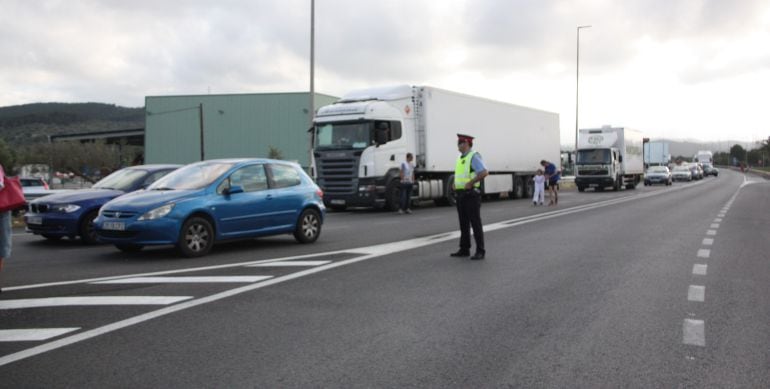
157 213
66 208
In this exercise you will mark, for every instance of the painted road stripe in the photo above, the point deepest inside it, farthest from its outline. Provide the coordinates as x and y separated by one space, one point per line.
704 253
721 215
708 241
711 232
185 280
699 269
291 263
696 293
33 334
714 225
718 220
694 332
97 300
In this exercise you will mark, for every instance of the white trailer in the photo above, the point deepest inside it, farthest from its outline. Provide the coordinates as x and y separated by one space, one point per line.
704 156
357 164
609 157
656 153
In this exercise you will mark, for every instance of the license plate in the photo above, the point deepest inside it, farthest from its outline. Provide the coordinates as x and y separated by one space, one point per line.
117 226
34 220
338 201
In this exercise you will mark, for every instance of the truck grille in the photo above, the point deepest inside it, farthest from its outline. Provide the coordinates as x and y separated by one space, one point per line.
592 172
337 175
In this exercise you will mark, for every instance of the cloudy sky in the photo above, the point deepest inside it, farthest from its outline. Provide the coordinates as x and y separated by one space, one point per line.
686 69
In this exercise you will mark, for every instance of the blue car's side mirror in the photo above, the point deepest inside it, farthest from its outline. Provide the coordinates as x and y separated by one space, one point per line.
233 190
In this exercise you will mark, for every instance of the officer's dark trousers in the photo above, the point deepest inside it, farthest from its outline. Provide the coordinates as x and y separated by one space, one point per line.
469 213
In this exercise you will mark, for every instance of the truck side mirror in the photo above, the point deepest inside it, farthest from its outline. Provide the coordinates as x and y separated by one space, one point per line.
620 158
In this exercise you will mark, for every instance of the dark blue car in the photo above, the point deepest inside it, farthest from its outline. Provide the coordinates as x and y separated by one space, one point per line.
72 213
210 201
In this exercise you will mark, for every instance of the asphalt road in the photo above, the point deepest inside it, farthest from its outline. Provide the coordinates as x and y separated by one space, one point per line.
655 287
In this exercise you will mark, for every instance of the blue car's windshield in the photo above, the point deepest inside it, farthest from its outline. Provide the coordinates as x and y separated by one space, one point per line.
195 176
123 179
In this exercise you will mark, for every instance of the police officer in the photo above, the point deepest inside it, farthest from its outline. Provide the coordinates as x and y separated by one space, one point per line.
469 172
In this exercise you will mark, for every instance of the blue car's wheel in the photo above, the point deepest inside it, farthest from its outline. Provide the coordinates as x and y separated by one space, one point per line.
308 226
196 237
86 228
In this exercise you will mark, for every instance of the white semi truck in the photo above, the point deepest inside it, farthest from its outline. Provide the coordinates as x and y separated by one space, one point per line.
609 157
360 141
656 154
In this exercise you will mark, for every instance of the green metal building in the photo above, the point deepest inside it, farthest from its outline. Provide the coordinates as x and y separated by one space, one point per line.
232 126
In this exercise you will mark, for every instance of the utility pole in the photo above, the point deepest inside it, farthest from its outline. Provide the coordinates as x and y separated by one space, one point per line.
577 86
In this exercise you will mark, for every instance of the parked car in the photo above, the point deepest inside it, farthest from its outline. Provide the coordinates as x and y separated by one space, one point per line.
212 201
657 175
36 187
72 213
681 173
710 170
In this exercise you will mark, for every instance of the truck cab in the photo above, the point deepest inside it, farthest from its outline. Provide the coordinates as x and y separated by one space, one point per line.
358 146
598 168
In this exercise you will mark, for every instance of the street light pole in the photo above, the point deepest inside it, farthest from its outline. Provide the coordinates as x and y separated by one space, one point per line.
577 86
312 61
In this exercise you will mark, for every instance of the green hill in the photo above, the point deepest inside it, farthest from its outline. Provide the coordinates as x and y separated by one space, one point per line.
32 123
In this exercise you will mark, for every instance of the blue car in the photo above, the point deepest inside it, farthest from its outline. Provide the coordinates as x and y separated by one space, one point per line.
72 213
216 200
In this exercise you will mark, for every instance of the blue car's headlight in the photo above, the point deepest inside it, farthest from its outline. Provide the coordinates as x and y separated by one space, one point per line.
157 212
66 208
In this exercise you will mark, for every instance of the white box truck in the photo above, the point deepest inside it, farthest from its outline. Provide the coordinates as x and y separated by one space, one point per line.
360 141
704 156
609 157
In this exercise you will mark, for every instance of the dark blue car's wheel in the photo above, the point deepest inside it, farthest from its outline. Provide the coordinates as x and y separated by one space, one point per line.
86 228
308 226
196 237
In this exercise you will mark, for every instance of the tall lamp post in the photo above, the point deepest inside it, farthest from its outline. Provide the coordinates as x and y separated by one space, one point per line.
577 86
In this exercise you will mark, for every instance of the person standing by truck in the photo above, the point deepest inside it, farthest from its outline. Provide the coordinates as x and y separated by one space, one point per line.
539 180
469 172
553 176
407 181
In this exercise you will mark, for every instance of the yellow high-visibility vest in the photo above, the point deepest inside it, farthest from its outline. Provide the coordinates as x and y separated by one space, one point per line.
463 173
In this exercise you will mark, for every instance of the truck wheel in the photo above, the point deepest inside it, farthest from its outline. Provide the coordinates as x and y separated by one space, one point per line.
86 228
518 188
529 187
616 186
581 188
196 237
392 196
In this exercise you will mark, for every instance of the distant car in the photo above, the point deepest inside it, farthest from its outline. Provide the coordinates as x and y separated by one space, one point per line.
72 213
658 175
216 200
710 170
681 173
696 170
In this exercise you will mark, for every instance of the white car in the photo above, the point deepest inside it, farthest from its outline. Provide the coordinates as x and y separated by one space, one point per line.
681 173
36 187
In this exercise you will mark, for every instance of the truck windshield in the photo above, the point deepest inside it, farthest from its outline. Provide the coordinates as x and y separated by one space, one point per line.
350 135
593 156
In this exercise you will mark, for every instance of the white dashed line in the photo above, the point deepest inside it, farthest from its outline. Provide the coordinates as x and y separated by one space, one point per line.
186 280
33 334
714 225
696 293
694 332
699 269
718 220
708 241
711 232
704 253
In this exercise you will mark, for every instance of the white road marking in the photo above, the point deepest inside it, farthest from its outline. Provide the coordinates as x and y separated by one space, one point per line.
699 269
714 225
184 280
718 220
33 334
711 232
721 215
290 263
371 252
696 293
95 300
694 332
704 253
708 241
